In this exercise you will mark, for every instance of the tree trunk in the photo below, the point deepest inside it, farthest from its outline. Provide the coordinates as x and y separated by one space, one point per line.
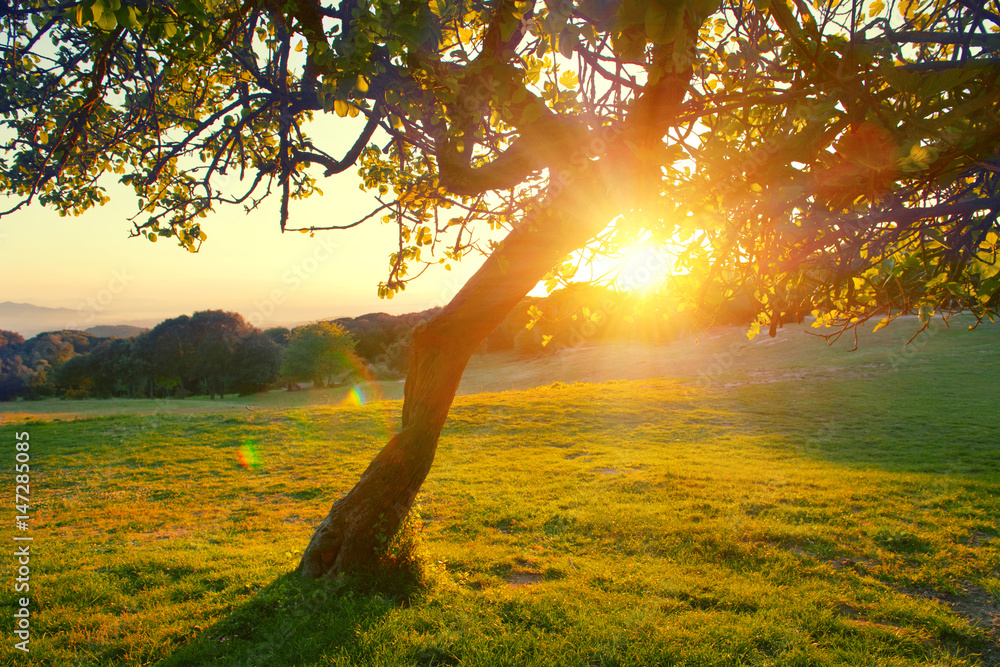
349 537
583 198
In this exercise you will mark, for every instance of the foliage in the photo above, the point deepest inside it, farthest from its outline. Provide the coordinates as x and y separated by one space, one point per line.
208 352
383 340
211 352
837 153
30 368
278 334
319 353
256 363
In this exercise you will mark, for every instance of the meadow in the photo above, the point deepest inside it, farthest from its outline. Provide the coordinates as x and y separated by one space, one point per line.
710 502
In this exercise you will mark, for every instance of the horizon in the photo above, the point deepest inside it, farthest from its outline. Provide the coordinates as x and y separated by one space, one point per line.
247 265
147 323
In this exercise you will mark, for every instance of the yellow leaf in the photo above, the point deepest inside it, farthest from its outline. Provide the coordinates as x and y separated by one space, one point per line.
568 79
362 84
876 8
298 47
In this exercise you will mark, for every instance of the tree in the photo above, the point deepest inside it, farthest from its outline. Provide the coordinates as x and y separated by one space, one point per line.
278 334
833 153
13 373
169 351
218 335
317 353
256 363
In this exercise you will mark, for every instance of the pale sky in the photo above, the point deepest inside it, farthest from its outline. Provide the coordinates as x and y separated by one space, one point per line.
247 265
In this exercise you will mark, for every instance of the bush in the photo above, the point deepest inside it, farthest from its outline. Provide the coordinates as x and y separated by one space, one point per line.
528 342
401 561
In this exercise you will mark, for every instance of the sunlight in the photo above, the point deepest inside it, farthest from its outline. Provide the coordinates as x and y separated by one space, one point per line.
642 266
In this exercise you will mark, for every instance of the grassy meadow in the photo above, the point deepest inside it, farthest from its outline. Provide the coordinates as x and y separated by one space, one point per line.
719 502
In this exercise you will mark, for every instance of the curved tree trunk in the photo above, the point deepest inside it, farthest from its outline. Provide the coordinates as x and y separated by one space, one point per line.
348 537
582 201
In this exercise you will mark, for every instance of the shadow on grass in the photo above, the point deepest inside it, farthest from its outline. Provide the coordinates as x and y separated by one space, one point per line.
296 621
930 420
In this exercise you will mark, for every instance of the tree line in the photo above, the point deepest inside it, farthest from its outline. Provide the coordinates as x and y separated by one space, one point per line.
211 352
215 352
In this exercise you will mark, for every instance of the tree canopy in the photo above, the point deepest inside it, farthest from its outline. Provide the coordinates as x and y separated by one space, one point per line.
842 151
318 353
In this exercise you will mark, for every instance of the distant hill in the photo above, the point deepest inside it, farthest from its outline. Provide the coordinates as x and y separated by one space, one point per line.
30 320
116 330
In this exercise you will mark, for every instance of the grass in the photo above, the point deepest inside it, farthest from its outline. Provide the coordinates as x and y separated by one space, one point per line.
776 502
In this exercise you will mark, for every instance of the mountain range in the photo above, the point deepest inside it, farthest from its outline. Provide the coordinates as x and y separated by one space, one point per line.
30 320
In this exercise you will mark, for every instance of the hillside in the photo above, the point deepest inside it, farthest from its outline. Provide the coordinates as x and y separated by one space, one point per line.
116 331
719 357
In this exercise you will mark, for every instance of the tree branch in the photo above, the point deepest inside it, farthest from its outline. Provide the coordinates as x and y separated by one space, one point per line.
925 37
337 166
944 65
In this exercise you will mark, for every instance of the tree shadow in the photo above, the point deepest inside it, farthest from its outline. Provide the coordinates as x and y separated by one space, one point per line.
935 421
295 621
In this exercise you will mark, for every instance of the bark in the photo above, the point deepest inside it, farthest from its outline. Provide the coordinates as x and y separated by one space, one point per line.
583 199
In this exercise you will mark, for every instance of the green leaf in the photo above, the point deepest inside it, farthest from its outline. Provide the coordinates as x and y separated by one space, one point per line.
530 114
108 21
568 39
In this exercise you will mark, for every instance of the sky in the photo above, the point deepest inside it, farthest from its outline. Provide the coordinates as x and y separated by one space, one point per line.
89 263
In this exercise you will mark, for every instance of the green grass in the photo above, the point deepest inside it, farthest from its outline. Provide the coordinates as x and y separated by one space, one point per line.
775 503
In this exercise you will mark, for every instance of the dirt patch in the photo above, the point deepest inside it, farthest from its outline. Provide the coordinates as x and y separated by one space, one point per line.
977 607
523 578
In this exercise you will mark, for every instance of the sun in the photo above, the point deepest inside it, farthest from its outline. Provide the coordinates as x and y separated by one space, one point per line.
640 267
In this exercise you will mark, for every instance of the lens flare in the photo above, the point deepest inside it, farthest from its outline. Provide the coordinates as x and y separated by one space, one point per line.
247 456
366 392
354 397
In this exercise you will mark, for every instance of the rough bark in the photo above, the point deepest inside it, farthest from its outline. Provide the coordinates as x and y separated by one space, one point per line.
583 199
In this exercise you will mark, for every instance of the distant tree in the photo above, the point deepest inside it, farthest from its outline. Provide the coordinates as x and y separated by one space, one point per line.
191 354
318 353
169 348
278 334
216 335
112 368
13 373
52 347
45 353
256 363
78 376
